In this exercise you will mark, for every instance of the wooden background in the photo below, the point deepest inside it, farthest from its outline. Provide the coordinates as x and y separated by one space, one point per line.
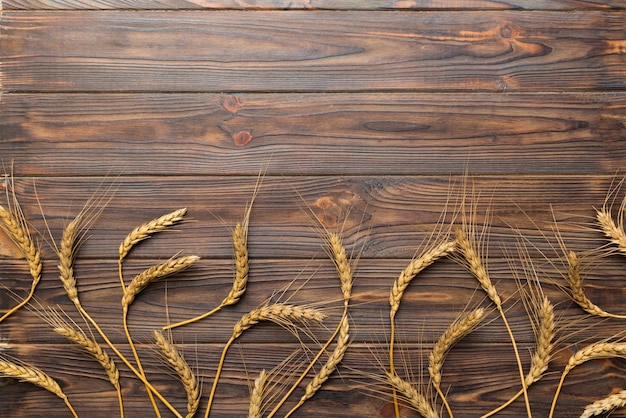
370 114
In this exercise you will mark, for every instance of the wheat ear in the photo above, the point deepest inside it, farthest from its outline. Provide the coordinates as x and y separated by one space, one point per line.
614 232
344 271
412 396
36 377
594 351
544 346
256 397
144 231
400 285
451 336
240 246
575 282
15 227
476 267
611 402
186 375
279 313
329 367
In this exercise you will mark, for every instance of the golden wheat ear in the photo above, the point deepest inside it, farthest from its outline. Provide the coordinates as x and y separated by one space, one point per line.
608 404
14 224
35 377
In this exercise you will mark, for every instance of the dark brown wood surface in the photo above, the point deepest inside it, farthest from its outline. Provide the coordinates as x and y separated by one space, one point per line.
375 119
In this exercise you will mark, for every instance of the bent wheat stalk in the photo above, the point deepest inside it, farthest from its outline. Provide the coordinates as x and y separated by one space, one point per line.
594 351
397 291
452 335
140 282
36 377
575 282
476 267
279 313
344 271
14 225
184 372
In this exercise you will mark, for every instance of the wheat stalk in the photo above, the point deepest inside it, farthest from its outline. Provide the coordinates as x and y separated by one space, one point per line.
66 254
342 265
412 396
147 229
240 246
279 313
614 232
256 397
476 267
15 227
611 402
36 377
158 271
592 352
575 282
186 375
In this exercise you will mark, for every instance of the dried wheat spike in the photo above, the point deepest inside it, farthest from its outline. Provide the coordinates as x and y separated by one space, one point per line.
341 263
611 402
67 253
94 349
144 231
16 229
34 376
412 396
544 343
256 397
333 361
184 372
575 282
475 266
153 273
279 313
614 232
413 269
240 245
455 333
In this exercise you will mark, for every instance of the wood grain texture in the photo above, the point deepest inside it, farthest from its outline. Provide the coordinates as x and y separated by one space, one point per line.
312 51
355 134
310 4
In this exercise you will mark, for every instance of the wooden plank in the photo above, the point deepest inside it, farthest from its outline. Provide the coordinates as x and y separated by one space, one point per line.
315 134
470 390
310 4
313 51
378 216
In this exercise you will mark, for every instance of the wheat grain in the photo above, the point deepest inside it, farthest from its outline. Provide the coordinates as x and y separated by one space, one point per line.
413 269
415 399
611 402
256 397
145 230
153 273
186 375
33 376
451 336
93 349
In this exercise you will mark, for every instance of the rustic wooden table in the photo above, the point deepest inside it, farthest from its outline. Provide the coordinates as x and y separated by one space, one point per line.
367 118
